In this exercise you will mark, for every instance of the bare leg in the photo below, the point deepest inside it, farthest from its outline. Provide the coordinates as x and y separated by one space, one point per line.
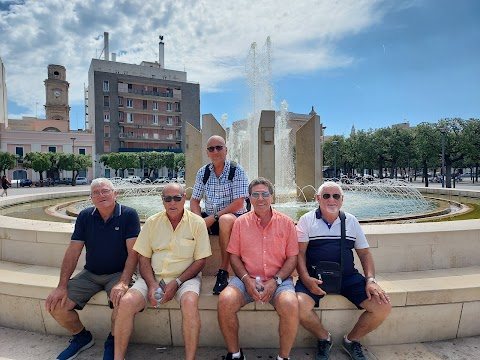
130 304
225 224
308 318
371 318
286 305
190 323
67 317
230 302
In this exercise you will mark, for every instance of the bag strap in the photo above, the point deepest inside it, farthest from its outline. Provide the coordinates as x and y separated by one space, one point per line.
231 174
343 238
206 174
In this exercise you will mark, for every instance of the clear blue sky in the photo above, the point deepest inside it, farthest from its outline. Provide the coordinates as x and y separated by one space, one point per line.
365 63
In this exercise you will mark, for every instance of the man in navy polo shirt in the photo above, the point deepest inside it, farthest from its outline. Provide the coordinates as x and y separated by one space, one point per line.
319 234
108 231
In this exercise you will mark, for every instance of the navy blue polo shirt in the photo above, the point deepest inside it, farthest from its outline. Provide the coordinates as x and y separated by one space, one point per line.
105 242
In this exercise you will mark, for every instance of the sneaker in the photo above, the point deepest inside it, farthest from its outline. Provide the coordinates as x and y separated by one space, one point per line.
109 347
229 355
78 343
354 349
221 283
323 349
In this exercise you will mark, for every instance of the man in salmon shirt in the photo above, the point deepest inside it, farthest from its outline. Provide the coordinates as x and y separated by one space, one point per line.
263 245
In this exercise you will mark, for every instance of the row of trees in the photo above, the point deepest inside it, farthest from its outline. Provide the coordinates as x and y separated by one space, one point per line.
147 160
47 162
396 150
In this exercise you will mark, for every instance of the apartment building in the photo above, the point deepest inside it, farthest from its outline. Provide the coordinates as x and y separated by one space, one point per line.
134 108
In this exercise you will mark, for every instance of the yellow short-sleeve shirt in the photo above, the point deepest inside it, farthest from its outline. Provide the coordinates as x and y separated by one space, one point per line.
173 251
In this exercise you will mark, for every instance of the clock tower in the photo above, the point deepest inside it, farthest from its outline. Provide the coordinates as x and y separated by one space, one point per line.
56 91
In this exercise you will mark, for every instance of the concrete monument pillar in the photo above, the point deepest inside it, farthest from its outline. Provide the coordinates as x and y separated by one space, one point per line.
193 155
210 127
266 145
309 157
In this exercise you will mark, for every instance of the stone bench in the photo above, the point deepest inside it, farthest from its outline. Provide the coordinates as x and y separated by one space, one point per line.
427 305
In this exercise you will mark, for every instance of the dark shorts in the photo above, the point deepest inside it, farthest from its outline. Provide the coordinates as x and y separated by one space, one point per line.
353 288
214 229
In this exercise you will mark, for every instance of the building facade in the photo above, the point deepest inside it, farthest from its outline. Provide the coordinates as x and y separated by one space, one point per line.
30 134
134 108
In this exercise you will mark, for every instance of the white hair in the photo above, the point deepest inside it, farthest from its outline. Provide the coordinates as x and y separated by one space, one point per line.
330 184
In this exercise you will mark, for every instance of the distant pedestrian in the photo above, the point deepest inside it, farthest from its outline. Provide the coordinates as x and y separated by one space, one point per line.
5 185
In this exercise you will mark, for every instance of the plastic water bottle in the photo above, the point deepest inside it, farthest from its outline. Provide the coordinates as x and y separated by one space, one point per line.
158 296
259 286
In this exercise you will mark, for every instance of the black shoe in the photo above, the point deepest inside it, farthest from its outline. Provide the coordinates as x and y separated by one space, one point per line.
221 283
354 349
109 348
229 355
323 349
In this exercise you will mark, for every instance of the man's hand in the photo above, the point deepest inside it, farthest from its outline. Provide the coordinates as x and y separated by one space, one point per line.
56 297
374 290
252 289
117 293
151 295
169 291
313 284
269 289
209 220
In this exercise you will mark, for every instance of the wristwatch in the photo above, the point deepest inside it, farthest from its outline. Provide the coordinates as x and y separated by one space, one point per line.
216 217
278 280
179 282
371 279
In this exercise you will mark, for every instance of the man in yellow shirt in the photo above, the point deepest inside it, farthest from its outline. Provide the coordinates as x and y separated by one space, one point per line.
173 246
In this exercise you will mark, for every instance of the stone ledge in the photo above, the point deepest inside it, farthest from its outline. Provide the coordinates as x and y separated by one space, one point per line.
427 305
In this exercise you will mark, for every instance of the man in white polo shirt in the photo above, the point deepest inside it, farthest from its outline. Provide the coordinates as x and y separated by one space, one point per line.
319 236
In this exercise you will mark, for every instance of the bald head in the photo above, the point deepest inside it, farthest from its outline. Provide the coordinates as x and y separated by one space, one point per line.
215 140
173 187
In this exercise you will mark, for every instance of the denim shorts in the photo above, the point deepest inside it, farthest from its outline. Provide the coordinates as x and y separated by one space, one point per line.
353 288
287 285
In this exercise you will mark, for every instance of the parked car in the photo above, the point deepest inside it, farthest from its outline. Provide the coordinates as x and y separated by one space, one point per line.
133 179
81 180
26 182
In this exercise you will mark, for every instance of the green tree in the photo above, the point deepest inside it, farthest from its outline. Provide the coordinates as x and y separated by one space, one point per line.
37 161
7 161
179 162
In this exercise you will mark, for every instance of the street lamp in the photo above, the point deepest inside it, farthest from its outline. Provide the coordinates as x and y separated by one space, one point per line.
335 142
443 131
73 152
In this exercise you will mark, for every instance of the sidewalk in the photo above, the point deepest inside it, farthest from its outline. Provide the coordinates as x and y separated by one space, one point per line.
27 345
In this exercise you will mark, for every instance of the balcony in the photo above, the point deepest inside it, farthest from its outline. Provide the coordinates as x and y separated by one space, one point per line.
176 95
141 137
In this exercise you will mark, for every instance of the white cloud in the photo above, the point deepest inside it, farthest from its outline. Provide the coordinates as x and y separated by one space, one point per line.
210 39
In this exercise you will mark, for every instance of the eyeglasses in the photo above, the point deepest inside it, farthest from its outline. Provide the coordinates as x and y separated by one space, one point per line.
218 148
175 198
101 192
335 196
256 195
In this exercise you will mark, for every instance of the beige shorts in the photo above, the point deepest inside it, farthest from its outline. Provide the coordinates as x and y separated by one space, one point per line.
193 285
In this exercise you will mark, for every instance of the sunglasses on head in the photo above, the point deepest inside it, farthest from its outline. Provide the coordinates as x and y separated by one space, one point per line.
175 198
218 148
335 196
256 195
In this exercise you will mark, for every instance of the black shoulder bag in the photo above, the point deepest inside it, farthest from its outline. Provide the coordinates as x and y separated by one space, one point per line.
331 272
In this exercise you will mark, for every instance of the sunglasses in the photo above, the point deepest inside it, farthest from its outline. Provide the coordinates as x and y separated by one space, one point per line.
101 192
256 195
335 196
175 198
218 148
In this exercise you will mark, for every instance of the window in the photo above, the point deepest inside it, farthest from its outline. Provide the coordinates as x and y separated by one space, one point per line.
120 101
155 89
19 153
145 104
52 149
106 101
155 105
106 116
81 151
177 120
145 135
129 103
155 136
106 86
169 120
129 118
107 173
130 87
169 106
155 119
120 116
170 136
177 106
106 131
106 146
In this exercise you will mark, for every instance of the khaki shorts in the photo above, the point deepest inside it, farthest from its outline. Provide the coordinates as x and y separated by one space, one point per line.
193 285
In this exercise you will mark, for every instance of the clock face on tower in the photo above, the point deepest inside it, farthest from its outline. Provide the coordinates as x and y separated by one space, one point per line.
56 93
